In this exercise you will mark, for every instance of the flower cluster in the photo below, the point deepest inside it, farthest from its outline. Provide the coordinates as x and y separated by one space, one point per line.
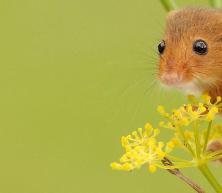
141 147
193 130
189 113
192 125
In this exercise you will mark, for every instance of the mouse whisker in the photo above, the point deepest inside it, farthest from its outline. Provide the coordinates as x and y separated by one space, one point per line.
150 87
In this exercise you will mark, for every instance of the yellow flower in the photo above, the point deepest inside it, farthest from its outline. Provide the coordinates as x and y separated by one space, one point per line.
174 142
152 168
162 111
141 148
211 114
193 129
206 98
189 113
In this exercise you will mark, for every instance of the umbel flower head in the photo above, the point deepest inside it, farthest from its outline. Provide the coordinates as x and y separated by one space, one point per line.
192 130
202 110
141 147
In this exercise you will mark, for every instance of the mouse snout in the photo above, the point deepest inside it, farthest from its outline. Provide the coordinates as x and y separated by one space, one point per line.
171 78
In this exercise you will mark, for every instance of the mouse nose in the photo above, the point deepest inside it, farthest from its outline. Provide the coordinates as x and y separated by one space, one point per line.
170 78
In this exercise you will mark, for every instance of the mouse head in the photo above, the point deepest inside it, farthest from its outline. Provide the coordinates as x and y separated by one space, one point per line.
190 54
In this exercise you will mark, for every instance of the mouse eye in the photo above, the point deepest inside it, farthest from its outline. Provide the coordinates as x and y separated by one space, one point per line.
161 47
200 47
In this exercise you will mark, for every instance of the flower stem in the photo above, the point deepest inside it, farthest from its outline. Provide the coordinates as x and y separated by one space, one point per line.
210 177
216 3
197 141
168 4
207 136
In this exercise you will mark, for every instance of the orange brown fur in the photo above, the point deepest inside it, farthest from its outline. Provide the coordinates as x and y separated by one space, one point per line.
184 27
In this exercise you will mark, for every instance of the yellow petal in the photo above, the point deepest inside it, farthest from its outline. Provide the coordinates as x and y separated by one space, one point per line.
152 168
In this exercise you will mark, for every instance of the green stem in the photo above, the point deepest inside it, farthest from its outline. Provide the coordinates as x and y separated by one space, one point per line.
168 4
216 3
210 177
197 141
207 136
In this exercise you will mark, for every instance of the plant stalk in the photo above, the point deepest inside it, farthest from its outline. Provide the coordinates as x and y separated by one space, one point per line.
181 176
168 4
210 177
216 3
207 136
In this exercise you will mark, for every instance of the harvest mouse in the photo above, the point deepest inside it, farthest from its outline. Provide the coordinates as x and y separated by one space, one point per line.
190 54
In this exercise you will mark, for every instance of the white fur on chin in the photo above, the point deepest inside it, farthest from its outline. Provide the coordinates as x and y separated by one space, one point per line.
189 88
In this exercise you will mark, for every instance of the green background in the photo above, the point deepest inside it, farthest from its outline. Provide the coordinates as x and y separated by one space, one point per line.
75 75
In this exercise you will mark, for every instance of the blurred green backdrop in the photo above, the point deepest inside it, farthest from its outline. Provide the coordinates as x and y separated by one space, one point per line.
74 77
